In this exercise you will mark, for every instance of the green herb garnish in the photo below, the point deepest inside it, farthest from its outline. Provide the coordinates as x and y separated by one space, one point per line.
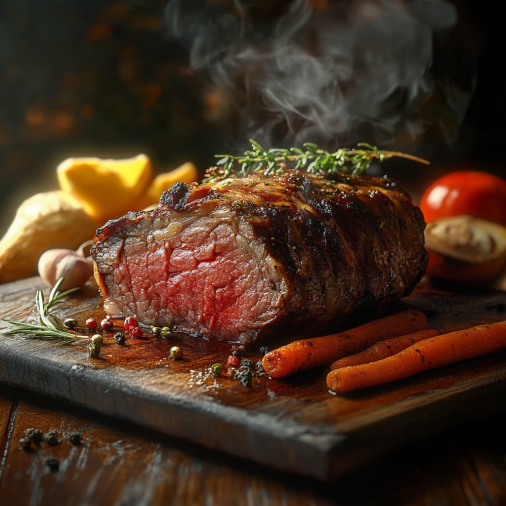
313 160
51 327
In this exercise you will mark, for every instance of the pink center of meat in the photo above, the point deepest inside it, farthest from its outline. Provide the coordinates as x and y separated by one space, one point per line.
211 278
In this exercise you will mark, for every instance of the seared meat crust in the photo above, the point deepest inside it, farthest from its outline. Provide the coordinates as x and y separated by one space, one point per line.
240 259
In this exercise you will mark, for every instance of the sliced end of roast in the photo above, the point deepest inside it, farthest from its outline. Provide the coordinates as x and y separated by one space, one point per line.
204 271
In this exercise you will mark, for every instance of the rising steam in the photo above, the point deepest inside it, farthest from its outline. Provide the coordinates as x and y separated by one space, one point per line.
354 70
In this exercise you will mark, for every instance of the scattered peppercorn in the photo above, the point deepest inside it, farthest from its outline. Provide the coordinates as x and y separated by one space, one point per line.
34 434
70 323
166 332
130 322
135 331
52 464
217 369
24 444
155 330
246 362
236 352
51 437
260 369
120 337
176 352
233 361
76 438
244 376
91 323
107 324
93 350
97 339
264 350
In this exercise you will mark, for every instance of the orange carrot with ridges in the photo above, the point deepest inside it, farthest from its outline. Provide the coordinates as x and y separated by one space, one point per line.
321 351
386 348
428 354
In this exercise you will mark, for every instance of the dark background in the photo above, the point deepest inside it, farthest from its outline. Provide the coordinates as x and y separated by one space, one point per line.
101 78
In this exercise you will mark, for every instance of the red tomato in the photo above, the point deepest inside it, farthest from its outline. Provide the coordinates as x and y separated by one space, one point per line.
478 194
443 267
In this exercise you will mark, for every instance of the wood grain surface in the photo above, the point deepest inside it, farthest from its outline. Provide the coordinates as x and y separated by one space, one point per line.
119 464
295 425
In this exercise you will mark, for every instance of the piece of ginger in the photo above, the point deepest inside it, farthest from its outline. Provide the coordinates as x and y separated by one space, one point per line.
45 221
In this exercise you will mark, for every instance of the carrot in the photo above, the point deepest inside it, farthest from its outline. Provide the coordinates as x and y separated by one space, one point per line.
321 351
428 354
386 348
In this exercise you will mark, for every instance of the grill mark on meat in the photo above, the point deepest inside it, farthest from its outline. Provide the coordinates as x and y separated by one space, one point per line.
243 260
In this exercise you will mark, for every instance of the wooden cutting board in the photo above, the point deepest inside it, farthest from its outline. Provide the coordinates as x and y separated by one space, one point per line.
295 425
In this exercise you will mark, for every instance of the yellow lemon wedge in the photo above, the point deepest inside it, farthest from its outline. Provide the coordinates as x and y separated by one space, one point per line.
107 189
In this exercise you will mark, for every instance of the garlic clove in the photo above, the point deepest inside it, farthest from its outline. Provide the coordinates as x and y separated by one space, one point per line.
48 262
76 270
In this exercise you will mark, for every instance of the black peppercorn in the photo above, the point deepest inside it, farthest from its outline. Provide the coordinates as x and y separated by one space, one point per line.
34 434
53 464
51 437
246 362
24 444
260 369
76 438
244 376
264 350
70 323
236 352
120 338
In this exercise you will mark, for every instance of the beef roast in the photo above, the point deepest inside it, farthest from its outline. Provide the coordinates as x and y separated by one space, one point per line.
239 259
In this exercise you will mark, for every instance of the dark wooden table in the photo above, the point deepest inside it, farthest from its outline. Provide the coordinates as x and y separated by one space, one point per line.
121 464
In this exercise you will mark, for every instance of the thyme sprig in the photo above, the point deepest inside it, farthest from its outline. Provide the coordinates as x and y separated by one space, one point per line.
50 326
312 159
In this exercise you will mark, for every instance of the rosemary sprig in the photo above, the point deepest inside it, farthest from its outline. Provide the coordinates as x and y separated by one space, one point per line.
313 160
51 327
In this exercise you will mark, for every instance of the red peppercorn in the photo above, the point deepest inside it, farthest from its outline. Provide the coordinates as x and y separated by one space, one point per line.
130 322
91 323
107 324
233 361
135 331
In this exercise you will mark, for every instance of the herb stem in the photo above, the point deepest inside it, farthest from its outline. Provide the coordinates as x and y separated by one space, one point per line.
387 154
50 326
313 159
